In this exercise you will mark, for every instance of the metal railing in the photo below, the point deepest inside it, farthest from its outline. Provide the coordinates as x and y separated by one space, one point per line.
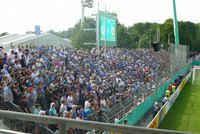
22 126
81 124
3 131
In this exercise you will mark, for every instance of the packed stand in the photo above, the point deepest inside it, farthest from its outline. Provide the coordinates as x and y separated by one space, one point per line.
73 83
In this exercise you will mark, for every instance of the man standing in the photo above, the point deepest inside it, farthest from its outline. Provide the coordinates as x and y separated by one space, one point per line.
69 102
8 96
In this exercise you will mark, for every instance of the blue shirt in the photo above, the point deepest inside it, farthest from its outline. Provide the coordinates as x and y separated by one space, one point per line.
52 112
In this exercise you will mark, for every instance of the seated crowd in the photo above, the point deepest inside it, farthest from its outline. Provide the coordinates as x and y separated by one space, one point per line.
73 83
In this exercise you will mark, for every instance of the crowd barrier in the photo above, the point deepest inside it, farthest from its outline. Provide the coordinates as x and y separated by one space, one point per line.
19 125
120 108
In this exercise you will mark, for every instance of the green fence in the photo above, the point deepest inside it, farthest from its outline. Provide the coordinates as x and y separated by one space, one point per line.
196 63
136 114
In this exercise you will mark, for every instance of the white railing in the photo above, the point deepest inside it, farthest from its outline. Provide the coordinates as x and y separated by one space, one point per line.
81 124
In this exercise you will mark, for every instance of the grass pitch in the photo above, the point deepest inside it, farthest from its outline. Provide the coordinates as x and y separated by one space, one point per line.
185 113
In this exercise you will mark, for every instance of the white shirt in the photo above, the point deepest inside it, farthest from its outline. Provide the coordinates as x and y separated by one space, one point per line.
116 120
69 101
62 108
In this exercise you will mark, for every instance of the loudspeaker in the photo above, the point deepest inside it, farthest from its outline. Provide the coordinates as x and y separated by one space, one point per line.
156 46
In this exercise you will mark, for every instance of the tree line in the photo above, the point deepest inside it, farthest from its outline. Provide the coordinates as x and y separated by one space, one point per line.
139 35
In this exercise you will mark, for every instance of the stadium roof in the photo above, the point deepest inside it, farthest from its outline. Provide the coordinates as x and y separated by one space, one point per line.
44 38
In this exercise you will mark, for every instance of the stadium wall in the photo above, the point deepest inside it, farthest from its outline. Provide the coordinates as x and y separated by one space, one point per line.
166 107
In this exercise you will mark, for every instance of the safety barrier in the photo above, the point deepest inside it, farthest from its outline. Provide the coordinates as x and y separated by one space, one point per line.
18 125
64 124
120 108
3 131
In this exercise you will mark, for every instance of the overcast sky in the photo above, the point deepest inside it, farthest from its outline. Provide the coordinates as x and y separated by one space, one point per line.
19 16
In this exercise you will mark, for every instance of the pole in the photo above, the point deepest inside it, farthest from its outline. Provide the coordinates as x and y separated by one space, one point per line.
158 35
150 38
38 41
82 13
105 34
97 30
139 43
175 21
169 38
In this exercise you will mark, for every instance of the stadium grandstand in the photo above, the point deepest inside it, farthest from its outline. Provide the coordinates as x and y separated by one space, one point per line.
81 85
47 86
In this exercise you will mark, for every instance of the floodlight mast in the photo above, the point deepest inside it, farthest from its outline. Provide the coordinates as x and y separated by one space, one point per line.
88 4
175 21
105 33
97 29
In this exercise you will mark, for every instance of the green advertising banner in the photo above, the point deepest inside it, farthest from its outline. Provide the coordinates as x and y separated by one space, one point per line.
107 29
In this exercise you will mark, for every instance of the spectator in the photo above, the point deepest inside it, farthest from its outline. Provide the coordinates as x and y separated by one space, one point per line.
155 109
63 107
168 93
164 100
69 101
7 93
73 111
87 80
23 61
31 99
125 122
116 121
24 104
173 88
37 109
53 112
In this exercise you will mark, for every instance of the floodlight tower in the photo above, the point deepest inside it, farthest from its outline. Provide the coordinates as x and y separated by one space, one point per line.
88 4
175 21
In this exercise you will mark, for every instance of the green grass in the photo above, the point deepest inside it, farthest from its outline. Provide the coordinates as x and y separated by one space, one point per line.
185 113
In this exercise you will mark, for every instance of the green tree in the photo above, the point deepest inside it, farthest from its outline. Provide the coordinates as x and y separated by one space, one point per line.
197 45
188 34
129 37
143 34
79 36
123 37
166 32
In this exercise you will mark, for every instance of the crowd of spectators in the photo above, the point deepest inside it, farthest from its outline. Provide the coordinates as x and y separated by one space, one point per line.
73 83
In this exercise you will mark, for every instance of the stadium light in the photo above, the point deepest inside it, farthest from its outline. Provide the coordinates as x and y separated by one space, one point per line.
88 4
